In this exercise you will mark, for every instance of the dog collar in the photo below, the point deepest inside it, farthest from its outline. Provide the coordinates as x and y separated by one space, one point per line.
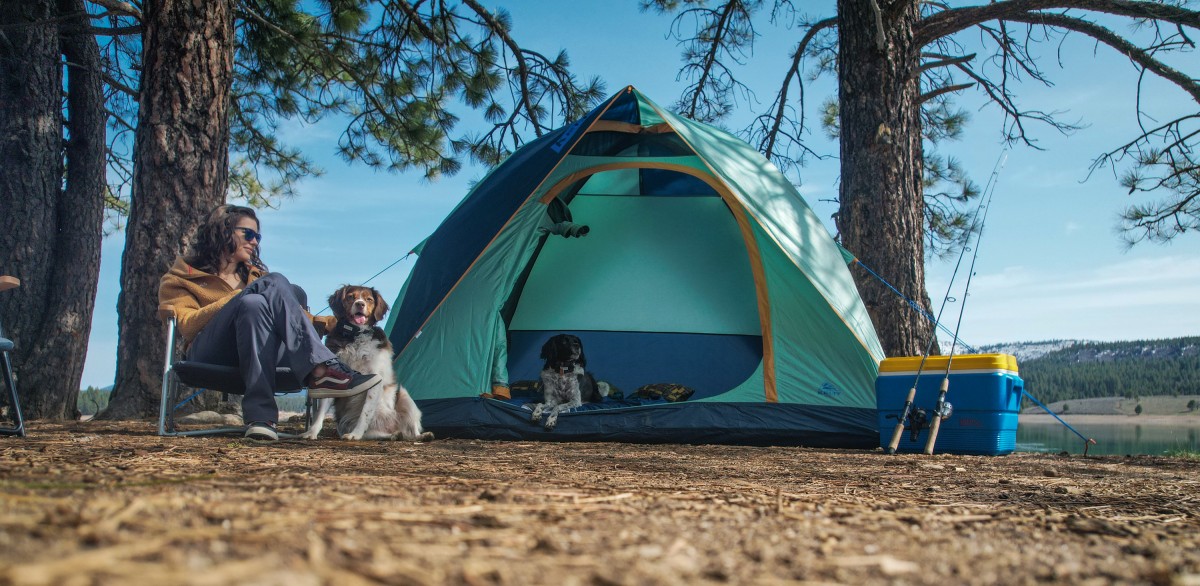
349 331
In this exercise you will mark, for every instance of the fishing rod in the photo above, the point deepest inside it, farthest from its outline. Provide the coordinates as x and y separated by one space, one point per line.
942 409
918 418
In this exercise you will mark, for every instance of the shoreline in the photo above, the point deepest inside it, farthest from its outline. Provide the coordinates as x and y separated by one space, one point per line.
1114 419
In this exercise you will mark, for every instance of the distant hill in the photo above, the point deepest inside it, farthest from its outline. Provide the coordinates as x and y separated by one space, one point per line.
1059 370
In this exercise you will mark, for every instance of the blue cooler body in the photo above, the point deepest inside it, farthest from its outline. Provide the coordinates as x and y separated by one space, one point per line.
985 391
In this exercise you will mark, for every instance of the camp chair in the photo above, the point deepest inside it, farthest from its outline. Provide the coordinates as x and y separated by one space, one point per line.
213 377
6 347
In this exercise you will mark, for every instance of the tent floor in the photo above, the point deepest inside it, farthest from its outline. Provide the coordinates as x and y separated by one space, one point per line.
759 424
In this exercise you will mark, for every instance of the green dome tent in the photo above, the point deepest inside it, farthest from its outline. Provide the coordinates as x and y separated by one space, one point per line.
701 266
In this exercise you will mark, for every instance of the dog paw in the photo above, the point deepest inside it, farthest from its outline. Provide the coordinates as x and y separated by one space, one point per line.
309 435
426 437
352 437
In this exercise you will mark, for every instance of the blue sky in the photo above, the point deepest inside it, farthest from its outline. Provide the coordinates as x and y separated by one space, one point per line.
1050 264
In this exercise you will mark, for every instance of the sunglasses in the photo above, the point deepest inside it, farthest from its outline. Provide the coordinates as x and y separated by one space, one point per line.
250 234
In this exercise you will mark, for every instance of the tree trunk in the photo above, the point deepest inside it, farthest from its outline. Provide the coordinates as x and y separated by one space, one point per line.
49 235
181 164
58 356
882 210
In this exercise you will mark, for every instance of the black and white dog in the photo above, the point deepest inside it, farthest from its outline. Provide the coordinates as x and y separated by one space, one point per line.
565 383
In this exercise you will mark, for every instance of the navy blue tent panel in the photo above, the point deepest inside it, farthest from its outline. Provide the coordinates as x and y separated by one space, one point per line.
624 109
708 363
662 182
755 424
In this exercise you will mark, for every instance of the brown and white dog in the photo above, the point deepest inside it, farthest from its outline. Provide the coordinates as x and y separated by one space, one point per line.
386 411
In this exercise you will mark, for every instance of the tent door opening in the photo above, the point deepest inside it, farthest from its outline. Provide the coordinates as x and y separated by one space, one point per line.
659 291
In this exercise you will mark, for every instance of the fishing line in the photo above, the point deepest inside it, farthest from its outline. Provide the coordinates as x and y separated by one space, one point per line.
911 303
1087 441
397 261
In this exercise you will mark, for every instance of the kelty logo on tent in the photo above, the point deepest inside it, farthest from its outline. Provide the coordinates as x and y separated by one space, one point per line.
829 390
568 133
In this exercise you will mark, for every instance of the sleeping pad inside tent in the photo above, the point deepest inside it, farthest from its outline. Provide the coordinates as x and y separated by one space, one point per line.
678 255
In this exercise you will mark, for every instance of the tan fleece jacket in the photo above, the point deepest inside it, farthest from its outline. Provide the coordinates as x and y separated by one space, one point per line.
197 296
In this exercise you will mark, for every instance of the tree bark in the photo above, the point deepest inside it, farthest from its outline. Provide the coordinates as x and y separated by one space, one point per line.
49 233
181 165
882 206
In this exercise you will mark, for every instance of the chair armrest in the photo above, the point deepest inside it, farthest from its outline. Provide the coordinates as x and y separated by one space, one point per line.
166 312
7 283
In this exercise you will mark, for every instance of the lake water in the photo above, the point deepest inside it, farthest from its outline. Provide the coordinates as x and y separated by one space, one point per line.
1123 438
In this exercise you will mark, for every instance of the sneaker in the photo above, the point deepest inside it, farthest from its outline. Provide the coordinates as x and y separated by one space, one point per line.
261 432
340 381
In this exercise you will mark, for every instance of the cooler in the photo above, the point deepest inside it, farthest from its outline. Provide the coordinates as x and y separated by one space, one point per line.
984 390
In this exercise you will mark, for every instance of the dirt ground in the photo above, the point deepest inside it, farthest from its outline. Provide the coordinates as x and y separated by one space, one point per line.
112 503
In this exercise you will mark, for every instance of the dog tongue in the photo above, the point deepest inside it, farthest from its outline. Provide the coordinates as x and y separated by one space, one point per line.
360 320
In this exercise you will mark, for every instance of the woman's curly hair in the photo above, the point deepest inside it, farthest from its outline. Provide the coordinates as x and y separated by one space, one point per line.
212 242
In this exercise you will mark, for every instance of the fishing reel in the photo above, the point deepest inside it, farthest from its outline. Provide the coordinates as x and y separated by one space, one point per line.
945 411
917 420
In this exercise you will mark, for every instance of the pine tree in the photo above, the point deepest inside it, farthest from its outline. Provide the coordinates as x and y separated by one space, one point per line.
898 64
232 70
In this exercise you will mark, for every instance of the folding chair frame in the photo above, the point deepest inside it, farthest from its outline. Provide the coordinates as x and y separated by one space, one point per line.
10 381
171 381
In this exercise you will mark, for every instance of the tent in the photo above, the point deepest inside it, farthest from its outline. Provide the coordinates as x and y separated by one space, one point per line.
702 266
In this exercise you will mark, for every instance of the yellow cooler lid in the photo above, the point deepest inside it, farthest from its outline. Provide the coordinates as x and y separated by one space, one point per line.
976 362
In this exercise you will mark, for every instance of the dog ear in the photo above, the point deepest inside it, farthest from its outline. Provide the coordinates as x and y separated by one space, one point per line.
337 303
548 349
582 356
381 306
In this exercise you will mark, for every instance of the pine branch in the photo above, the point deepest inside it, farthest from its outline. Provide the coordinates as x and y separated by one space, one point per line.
943 61
522 66
710 57
925 97
793 72
119 86
1106 36
119 7
948 22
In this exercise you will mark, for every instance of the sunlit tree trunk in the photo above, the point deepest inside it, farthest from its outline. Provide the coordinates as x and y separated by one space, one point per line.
180 173
881 219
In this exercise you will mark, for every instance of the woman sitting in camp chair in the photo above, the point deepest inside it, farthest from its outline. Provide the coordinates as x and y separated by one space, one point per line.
232 312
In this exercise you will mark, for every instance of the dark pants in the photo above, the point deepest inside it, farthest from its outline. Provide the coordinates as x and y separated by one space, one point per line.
264 326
